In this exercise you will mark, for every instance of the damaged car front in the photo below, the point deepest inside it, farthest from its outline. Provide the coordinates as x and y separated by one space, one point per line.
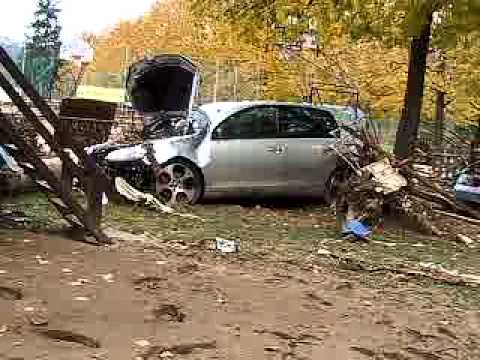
163 89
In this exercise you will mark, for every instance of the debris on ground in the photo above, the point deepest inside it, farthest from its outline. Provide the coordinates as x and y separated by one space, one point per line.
41 260
465 240
69 336
372 184
36 313
147 200
183 349
13 219
8 293
169 312
227 246
435 272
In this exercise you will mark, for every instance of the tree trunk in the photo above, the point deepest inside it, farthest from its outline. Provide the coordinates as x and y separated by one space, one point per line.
410 121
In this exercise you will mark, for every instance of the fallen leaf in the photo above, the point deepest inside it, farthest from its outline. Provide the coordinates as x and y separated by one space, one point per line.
108 278
166 355
41 261
419 245
80 282
324 252
142 343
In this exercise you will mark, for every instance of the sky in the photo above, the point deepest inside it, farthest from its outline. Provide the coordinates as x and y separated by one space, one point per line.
77 15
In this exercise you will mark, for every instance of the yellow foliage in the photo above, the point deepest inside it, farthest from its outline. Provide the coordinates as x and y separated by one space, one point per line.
377 72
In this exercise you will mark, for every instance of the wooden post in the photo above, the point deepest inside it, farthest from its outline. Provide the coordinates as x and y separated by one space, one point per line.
217 75
67 178
94 201
235 83
439 118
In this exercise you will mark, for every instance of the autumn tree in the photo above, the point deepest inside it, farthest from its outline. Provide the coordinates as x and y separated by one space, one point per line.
42 47
45 29
418 25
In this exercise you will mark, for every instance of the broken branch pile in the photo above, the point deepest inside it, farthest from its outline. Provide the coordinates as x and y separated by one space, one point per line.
372 184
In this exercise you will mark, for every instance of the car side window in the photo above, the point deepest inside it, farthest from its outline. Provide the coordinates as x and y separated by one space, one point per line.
326 121
303 122
253 123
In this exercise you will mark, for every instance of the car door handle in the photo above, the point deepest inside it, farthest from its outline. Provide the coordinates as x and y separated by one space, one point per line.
277 149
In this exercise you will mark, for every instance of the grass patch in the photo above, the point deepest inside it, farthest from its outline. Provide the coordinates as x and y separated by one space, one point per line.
279 234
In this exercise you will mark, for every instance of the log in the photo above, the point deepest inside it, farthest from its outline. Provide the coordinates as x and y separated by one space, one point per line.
458 217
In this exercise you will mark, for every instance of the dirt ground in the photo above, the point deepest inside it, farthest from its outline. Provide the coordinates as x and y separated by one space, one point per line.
167 294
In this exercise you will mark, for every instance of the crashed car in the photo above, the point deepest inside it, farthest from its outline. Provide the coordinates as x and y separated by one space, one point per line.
467 185
234 148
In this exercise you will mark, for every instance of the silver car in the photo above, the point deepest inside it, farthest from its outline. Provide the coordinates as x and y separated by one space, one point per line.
240 149
269 148
228 148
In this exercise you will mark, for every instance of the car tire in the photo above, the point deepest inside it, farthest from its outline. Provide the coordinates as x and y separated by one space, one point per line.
179 181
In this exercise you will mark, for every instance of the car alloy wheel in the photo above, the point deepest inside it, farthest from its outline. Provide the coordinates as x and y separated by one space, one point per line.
179 182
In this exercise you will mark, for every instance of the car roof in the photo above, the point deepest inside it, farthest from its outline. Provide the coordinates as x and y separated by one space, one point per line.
219 111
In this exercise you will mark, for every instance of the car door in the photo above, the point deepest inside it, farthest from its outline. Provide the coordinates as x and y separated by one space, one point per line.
307 135
246 155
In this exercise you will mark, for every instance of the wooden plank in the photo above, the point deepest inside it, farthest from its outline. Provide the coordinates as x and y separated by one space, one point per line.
86 121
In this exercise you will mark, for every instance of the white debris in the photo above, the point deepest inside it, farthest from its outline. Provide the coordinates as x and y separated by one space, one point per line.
132 194
227 246
150 201
465 240
81 298
67 271
41 261
418 245
80 282
104 199
3 272
387 178
324 252
467 278
166 355
108 278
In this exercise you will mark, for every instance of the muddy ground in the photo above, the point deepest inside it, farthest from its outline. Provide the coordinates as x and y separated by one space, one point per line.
165 293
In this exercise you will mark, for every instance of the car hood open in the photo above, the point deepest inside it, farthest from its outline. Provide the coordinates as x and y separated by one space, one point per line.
164 83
